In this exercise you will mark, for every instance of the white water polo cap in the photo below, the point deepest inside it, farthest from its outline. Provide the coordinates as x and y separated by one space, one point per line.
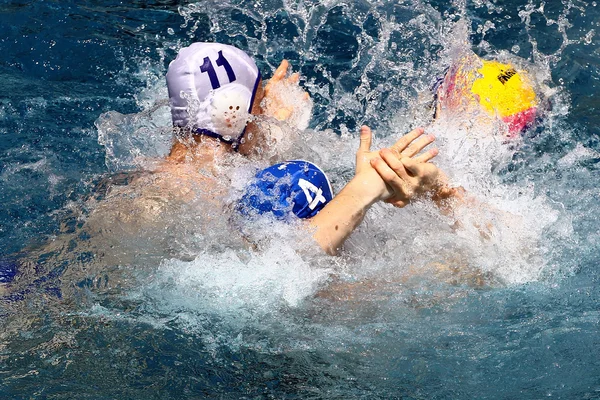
211 90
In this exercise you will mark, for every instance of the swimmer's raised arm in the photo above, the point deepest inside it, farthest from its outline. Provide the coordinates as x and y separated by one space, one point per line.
338 219
282 99
417 173
276 102
411 175
419 177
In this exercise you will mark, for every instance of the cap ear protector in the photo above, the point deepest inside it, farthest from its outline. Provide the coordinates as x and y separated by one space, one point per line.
229 110
211 90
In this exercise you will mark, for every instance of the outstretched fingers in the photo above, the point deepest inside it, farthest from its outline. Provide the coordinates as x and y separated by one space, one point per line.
281 71
427 156
416 146
405 140
278 75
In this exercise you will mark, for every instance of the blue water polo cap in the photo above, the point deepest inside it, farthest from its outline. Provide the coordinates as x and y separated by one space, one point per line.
298 187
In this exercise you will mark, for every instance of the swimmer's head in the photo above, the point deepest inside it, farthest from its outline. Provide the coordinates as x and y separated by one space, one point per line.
499 89
211 90
292 188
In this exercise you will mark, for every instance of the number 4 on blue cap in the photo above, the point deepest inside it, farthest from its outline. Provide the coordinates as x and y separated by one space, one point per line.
296 187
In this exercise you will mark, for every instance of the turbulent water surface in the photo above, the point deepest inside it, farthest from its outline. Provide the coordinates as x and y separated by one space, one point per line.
163 297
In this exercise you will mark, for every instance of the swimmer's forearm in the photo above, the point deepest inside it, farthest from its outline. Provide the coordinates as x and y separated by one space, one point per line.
341 216
446 198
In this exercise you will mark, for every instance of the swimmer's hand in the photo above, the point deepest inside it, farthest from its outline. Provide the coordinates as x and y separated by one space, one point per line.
410 175
406 171
338 219
284 99
371 185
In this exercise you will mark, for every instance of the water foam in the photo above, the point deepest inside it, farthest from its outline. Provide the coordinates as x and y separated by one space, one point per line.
507 237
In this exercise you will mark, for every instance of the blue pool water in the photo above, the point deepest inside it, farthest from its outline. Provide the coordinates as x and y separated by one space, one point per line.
97 311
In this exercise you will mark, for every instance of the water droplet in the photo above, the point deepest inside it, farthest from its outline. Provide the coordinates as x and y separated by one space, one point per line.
588 37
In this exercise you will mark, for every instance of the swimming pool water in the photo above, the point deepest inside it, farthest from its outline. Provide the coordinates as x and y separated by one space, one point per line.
83 84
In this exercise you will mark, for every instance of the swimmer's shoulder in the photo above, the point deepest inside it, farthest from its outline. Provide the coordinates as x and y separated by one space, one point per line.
118 179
